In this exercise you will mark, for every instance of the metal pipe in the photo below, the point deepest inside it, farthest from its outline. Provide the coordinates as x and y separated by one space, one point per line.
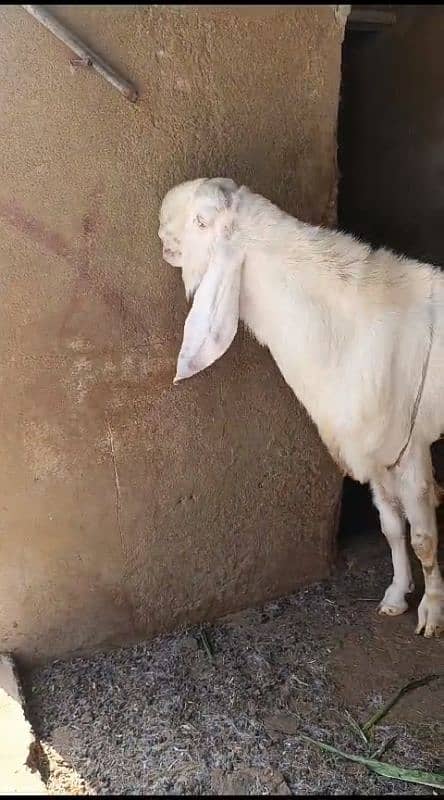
88 56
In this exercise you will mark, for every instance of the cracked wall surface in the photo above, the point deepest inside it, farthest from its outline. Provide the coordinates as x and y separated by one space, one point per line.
129 506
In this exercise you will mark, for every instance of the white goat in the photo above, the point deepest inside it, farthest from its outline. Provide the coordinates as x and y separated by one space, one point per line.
357 334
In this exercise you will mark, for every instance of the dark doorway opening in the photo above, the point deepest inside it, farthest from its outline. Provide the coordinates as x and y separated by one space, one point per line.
391 159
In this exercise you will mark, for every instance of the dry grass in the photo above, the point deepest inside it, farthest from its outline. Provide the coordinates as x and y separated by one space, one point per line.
222 713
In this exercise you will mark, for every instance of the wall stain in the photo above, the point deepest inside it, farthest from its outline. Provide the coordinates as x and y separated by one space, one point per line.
79 259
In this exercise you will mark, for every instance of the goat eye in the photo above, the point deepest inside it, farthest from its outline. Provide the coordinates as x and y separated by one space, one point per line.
200 222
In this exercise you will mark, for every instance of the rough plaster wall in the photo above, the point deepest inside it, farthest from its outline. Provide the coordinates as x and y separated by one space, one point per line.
128 505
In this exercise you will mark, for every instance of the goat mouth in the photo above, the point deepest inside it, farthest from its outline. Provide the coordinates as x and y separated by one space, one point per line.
172 257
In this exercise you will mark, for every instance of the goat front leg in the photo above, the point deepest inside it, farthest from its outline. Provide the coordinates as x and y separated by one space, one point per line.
417 491
393 526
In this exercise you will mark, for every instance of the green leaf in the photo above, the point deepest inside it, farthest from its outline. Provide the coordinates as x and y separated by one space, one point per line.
435 780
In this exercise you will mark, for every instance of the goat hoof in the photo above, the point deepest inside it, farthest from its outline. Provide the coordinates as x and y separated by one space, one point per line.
393 603
431 616
392 611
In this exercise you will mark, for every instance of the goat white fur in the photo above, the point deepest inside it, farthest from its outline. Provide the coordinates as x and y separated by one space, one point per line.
349 328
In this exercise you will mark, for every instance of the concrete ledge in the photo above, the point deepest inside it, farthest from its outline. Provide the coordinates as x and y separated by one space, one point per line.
16 736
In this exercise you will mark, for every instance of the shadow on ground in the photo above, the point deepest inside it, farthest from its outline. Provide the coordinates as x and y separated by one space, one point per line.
166 717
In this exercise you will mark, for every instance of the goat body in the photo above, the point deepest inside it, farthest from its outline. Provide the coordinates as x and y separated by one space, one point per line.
350 329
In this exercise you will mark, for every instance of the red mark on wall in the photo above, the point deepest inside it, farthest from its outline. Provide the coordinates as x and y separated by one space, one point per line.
80 257
32 227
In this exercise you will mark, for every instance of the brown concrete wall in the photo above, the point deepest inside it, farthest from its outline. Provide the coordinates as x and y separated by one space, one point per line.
129 506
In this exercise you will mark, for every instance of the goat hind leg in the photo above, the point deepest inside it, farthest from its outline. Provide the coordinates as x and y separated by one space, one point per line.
417 490
393 527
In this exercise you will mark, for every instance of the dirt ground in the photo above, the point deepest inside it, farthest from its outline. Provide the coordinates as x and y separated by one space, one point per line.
222 715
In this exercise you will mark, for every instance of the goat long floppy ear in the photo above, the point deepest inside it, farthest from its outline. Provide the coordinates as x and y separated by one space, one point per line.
212 322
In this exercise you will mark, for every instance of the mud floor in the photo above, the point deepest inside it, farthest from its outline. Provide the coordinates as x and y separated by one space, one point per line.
222 714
